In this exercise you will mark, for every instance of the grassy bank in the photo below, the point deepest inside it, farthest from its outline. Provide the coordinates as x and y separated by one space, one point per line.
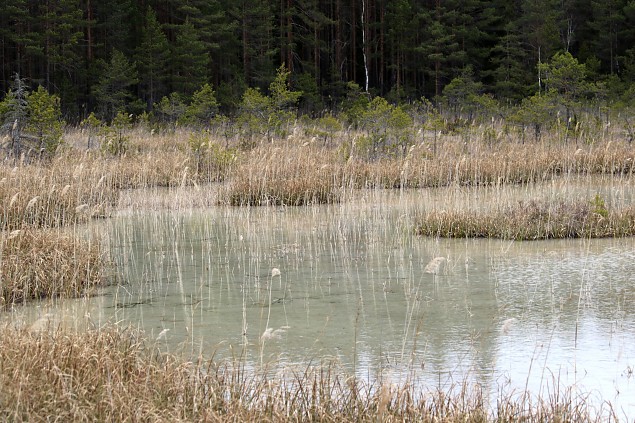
115 375
532 220
41 263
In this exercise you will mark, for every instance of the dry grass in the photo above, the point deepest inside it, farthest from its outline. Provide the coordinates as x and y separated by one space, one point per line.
480 164
55 194
112 374
294 174
46 263
291 172
74 187
289 175
532 220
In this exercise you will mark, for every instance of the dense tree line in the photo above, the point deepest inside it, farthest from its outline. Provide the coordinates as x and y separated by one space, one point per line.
109 55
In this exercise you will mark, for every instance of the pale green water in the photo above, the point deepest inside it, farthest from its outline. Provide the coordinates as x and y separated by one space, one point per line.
353 288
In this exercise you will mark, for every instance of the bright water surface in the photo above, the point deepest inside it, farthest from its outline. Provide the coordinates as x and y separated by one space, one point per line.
353 287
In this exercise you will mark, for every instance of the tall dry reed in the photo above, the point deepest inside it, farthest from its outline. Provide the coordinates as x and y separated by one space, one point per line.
114 374
41 263
284 175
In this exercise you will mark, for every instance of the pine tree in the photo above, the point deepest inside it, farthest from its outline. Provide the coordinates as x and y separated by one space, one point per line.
309 23
117 25
14 113
114 90
539 23
203 108
510 77
608 22
152 58
565 83
13 37
189 61
255 27
439 46
59 36
220 43
400 29
45 120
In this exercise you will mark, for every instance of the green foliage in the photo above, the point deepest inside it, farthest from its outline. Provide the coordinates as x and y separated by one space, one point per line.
327 126
310 101
212 160
152 59
254 113
355 103
5 105
116 138
411 49
14 109
229 95
202 109
32 117
223 126
461 93
197 141
268 115
282 98
170 109
598 206
565 80
510 77
366 146
45 119
433 121
114 90
190 60
389 129
536 111
283 102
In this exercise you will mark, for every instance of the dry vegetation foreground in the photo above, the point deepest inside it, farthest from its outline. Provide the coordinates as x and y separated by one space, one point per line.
112 374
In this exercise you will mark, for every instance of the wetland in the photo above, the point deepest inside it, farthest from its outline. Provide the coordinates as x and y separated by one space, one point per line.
351 283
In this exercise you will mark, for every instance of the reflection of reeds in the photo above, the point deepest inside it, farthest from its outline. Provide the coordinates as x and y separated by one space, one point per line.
531 220
115 375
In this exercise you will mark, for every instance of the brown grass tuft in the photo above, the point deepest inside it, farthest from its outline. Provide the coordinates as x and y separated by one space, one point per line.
46 263
532 220
292 176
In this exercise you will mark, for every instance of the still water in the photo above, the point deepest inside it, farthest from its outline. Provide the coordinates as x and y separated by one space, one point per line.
350 283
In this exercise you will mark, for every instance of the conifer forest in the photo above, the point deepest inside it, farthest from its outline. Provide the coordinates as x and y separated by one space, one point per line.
112 55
